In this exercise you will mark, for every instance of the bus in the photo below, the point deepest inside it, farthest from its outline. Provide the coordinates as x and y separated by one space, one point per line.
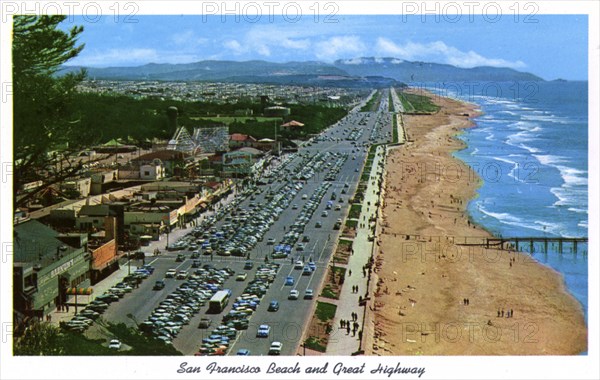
218 301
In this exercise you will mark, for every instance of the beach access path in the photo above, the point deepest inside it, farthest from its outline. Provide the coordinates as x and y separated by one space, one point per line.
341 342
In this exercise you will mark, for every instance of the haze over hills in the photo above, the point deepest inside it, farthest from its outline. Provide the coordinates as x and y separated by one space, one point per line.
356 72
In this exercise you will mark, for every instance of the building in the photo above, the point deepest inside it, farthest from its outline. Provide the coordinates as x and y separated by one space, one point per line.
46 263
240 140
169 159
154 171
292 126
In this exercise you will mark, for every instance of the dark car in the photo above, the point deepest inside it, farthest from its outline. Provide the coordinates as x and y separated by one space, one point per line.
107 298
159 285
249 265
180 258
273 306
204 323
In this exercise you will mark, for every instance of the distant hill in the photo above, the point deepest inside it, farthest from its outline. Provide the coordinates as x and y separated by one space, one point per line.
407 71
357 72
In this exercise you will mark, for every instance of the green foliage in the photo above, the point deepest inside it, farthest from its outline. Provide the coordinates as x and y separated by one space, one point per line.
45 126
421 103
46 339
314 343
373 103
39 339
141 345
328 292
354 211
325 311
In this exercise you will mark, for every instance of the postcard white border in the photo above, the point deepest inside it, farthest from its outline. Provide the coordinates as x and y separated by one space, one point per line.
451 367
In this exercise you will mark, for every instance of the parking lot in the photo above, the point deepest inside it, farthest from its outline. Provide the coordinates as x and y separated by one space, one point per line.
273 239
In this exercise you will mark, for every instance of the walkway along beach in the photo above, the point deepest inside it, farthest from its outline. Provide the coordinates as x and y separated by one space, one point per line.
435 297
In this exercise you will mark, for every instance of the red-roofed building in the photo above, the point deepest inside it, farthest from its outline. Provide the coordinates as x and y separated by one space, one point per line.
240 140
292 125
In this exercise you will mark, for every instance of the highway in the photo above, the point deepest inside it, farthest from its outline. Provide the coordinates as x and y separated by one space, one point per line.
287 324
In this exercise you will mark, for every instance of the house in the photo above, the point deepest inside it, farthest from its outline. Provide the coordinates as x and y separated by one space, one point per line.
170 159
292 125
240 140
153 171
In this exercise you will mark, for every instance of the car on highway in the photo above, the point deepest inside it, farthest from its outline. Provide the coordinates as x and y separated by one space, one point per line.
182 275
298 264
180 258
275 348
294 294
273 306
306 271
263 331
171 273
289 281
308 294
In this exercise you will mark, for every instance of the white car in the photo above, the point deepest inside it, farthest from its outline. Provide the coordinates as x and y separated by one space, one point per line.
298 265
275 348
171 273
114 344
294 294
241 277
263 331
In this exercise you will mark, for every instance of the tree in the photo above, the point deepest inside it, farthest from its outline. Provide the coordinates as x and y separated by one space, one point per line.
40 338
46 128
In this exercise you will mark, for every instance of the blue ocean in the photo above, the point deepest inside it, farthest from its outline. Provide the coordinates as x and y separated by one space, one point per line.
530 147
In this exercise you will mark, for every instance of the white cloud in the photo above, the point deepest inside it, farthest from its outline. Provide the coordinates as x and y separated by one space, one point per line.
339 46
438 51
234 46
188 38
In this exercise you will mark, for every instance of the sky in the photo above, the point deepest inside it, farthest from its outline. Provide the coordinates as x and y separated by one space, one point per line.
556 46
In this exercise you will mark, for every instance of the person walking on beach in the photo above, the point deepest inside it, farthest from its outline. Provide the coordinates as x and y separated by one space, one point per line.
341 323
348 329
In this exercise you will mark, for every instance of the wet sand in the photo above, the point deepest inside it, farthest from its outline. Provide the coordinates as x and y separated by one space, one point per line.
434 296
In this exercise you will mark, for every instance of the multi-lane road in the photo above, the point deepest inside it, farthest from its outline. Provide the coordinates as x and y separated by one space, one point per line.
288 323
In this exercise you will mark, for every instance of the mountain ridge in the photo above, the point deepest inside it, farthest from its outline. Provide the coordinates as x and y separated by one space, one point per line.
354 70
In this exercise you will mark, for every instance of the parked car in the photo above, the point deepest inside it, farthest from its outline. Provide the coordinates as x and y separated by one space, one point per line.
114 344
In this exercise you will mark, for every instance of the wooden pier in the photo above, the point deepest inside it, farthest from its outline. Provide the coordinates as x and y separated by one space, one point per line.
516 242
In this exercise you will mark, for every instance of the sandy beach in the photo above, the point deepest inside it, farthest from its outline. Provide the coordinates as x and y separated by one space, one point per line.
434 296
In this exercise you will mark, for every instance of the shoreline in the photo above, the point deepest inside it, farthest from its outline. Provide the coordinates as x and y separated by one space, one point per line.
433 296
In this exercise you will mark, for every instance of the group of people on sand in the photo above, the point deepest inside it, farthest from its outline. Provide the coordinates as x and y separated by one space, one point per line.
501 313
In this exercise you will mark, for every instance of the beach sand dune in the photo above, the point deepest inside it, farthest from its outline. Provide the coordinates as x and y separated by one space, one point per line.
434 296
